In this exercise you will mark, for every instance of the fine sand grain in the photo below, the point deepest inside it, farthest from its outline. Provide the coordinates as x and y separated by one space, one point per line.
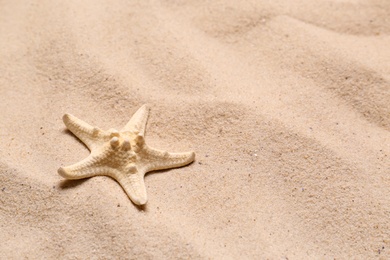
287 106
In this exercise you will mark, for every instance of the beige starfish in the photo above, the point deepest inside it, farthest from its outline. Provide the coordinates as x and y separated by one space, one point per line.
123 155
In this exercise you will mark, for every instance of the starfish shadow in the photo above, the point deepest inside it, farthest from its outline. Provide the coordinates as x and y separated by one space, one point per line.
167 170
157 172
142 208
68 184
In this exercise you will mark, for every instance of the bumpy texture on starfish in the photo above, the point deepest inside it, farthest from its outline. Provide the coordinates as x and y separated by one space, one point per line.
123 155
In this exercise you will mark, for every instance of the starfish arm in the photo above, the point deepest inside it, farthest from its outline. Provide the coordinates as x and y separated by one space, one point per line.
89 167
160 160
88 134
137 123
134 186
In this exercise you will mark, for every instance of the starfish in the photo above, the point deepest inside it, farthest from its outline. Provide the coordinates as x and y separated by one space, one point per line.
122 155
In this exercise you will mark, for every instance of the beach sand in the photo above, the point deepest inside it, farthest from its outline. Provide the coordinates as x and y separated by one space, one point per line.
286 105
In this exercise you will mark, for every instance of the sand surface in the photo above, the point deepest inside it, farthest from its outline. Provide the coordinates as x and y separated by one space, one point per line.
286 105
